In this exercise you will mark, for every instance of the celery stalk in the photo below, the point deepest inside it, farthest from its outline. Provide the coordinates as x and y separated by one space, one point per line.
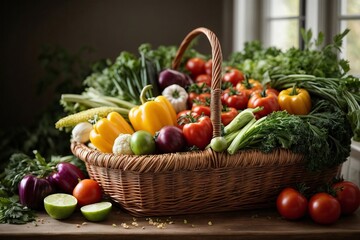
235 144
241 120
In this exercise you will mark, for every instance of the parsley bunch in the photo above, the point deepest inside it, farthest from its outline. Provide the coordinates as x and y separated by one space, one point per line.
11 211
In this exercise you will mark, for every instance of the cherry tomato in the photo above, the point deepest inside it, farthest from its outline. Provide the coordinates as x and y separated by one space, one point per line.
234 76
291 204
348 195
204 78
208 67
324 208
195 66
87 191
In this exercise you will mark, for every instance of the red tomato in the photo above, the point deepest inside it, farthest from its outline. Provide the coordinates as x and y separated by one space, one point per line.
87 191
208 67
199 133
272 90
228 114
233 98
202 99
249 86
204 78
234 76
268 100
185 117
324 208
196 91
291 204
195 66
348 195
201 110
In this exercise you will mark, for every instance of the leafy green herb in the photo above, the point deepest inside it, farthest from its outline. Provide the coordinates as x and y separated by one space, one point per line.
279 129
332 135
257 61
323 136
11 211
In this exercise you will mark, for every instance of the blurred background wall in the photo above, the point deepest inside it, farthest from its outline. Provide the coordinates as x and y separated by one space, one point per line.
108 27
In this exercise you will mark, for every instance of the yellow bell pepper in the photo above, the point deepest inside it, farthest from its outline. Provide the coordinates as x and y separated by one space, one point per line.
106 130
295 100
152 115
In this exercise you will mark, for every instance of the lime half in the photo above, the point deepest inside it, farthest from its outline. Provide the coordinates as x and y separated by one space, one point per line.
97 211
60 205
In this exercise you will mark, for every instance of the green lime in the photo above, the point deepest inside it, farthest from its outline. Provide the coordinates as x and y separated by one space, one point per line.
60 205
142 142
97 211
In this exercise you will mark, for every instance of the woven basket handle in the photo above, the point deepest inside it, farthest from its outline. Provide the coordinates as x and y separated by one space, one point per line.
215 104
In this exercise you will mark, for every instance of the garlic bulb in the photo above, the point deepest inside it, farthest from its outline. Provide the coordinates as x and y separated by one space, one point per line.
177 96
81 132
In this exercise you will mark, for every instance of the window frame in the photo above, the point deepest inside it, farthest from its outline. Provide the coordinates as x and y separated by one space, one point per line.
266 19
321 16
249 26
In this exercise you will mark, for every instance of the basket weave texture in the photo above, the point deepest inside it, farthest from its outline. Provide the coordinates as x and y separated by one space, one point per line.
198 181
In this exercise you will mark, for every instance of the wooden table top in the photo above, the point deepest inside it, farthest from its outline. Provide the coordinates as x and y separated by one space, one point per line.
256 224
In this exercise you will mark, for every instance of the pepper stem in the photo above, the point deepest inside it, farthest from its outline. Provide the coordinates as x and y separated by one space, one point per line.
294 91
145 90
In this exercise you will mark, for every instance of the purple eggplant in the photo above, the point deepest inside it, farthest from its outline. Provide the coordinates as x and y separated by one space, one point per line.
170 139
168 77
33 190
66 177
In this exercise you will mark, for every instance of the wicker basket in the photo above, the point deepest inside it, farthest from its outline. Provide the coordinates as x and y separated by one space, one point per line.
198 181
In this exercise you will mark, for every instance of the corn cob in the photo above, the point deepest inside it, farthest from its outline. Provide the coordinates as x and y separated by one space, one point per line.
86 115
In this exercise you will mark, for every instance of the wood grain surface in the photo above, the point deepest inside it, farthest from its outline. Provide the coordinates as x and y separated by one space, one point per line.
259 224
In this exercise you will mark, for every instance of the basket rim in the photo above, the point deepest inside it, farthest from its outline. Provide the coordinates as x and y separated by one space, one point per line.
185 161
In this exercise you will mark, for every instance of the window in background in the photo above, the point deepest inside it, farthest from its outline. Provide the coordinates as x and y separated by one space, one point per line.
350 18
283 21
